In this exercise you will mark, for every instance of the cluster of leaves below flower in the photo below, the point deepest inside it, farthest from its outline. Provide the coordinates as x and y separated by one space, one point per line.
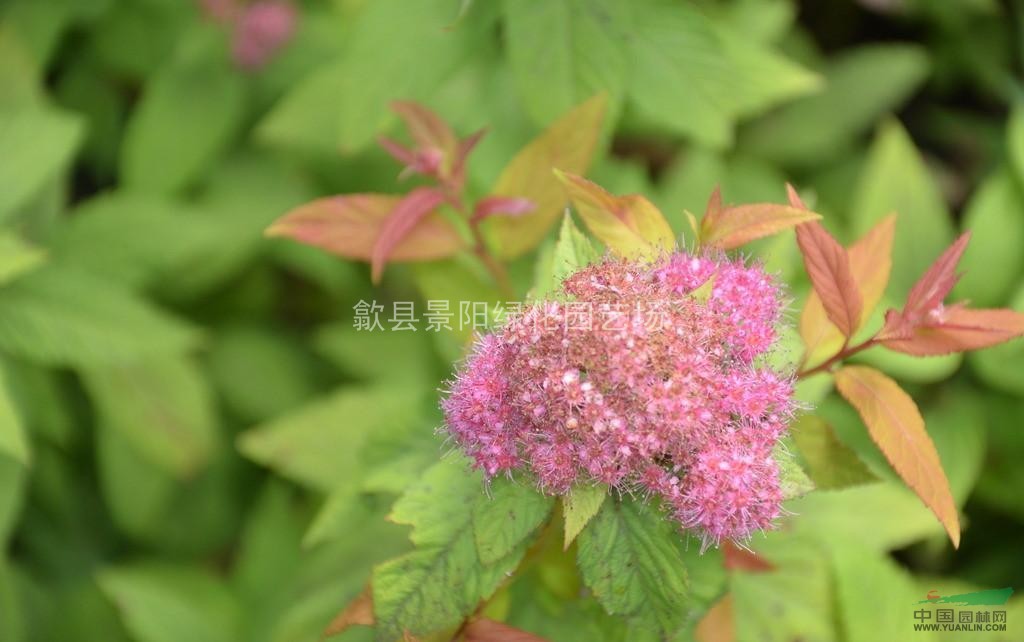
673 400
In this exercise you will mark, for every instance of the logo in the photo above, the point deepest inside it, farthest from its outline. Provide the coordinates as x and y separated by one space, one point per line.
968 618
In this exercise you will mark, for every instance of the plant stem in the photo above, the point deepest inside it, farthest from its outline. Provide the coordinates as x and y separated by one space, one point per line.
845 352
492 264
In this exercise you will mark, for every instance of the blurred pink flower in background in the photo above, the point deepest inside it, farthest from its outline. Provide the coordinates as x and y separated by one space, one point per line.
258 29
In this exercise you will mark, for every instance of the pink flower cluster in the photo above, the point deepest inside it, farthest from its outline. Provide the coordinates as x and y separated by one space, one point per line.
686 410
259 29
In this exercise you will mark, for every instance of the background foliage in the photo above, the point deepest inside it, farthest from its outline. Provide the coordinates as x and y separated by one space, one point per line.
195 444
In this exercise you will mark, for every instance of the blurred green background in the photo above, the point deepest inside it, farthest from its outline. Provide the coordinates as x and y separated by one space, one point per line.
196 445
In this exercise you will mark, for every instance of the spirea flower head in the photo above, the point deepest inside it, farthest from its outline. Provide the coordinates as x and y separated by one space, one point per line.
638 377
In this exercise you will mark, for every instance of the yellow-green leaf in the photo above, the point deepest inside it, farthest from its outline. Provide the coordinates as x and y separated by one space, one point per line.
630 225
568 144
731 227
579 506
895 424
831 464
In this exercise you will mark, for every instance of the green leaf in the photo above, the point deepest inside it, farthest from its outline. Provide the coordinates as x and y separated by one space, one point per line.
62 317
895 179
579 506
1003 476
19 70
792 602
698 78
563 51
793 481
188 114
630 558
17 257
12 620
830 463
12 493
319 444
162 407
503 522
269 548
147 240
443 580
418 55
35 145
286 372
572 251
1015 141
888 603
379 356
13 441
993 264
860 85
137 493
837 517
171 604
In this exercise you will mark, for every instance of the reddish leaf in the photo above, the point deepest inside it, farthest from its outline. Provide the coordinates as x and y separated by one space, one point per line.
732 227
741 559
462 152
828 266
427 129
932 288
718 624
569 144
502 206
870 263
349 226
629 225
952 329
401 153
794 197
895 424
403 219
484 630
358 612
926 327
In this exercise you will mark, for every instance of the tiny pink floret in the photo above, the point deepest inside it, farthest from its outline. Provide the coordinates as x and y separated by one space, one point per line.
663 393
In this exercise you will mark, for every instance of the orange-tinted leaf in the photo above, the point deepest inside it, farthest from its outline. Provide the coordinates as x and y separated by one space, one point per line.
736 226
828 266
714 207
895 424
741 559
485 630
718 624
568 144
408 213
350 225
870 263
955 329
358 612
630 225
